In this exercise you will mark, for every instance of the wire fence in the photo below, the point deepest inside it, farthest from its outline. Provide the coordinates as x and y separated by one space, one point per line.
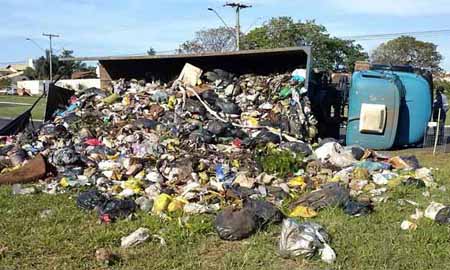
437 137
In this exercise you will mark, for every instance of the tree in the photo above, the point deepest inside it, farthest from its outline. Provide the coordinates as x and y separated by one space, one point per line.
328 52
5 83
66 68
30 73
220 39
407 50
444 84
151 51
62 70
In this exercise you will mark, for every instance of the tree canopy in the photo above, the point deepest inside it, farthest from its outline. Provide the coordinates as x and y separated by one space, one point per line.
407 50
151 51
220 39
328 52
61 70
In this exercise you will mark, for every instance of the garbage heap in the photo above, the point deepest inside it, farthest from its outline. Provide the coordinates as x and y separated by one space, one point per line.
209 142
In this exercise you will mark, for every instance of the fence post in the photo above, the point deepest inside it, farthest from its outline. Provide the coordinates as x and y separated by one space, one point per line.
437 133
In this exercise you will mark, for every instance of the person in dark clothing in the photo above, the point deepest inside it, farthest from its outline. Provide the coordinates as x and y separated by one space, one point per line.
440 104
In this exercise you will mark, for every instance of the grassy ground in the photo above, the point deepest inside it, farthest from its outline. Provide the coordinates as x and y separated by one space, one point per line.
12 111
68 238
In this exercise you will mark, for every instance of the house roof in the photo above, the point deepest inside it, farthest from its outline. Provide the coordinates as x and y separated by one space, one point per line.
17 67
13 75
83 74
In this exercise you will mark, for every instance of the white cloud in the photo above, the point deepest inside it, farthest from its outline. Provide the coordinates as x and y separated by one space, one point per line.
393 7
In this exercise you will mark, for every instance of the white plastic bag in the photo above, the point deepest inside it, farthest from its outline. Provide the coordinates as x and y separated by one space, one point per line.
306 239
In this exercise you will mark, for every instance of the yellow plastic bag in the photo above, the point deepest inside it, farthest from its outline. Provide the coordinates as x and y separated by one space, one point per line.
298 181
161 203
176 204
204 178
134 184
394 182
126 101
253 122
64 182
111 99
303 212
172 102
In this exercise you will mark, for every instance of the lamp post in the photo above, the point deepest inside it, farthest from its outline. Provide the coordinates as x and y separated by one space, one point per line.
226 25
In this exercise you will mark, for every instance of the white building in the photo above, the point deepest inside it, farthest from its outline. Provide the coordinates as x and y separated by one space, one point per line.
35 87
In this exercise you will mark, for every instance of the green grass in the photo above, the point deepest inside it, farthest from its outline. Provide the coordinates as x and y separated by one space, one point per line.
68 238
12 111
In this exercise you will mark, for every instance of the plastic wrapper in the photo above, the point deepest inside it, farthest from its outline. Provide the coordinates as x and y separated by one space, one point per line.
305 239
137 237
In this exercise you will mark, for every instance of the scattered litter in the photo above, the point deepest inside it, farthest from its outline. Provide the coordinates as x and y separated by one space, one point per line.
438 212
90 199
417 215
357 209
332 194
137 237
433 209
18 190
46 213
306 239
105 256
212 142
236 224
408 226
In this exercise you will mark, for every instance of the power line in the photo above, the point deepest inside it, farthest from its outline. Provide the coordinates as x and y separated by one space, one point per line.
35 44
390 35
238 6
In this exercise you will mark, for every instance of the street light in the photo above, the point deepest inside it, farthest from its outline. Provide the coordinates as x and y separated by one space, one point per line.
218 15
226 25
35 43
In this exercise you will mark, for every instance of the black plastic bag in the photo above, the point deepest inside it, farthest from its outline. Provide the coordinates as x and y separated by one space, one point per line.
331 194
228 107
113 209
64 156
357 209
265 212
265 137
356 151
443 216
90 199
217 127
418 183
201 136
298 147
412 161
194 106
210 96
234 225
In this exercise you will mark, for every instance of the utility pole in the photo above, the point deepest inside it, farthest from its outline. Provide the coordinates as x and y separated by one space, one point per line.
50 37
238 7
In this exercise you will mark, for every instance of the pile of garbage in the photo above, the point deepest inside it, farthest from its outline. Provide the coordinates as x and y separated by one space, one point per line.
241 147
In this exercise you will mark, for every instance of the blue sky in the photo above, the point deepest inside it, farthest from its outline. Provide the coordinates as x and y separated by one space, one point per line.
117 27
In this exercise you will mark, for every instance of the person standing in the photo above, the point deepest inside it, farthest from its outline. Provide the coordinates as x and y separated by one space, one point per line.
440 104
